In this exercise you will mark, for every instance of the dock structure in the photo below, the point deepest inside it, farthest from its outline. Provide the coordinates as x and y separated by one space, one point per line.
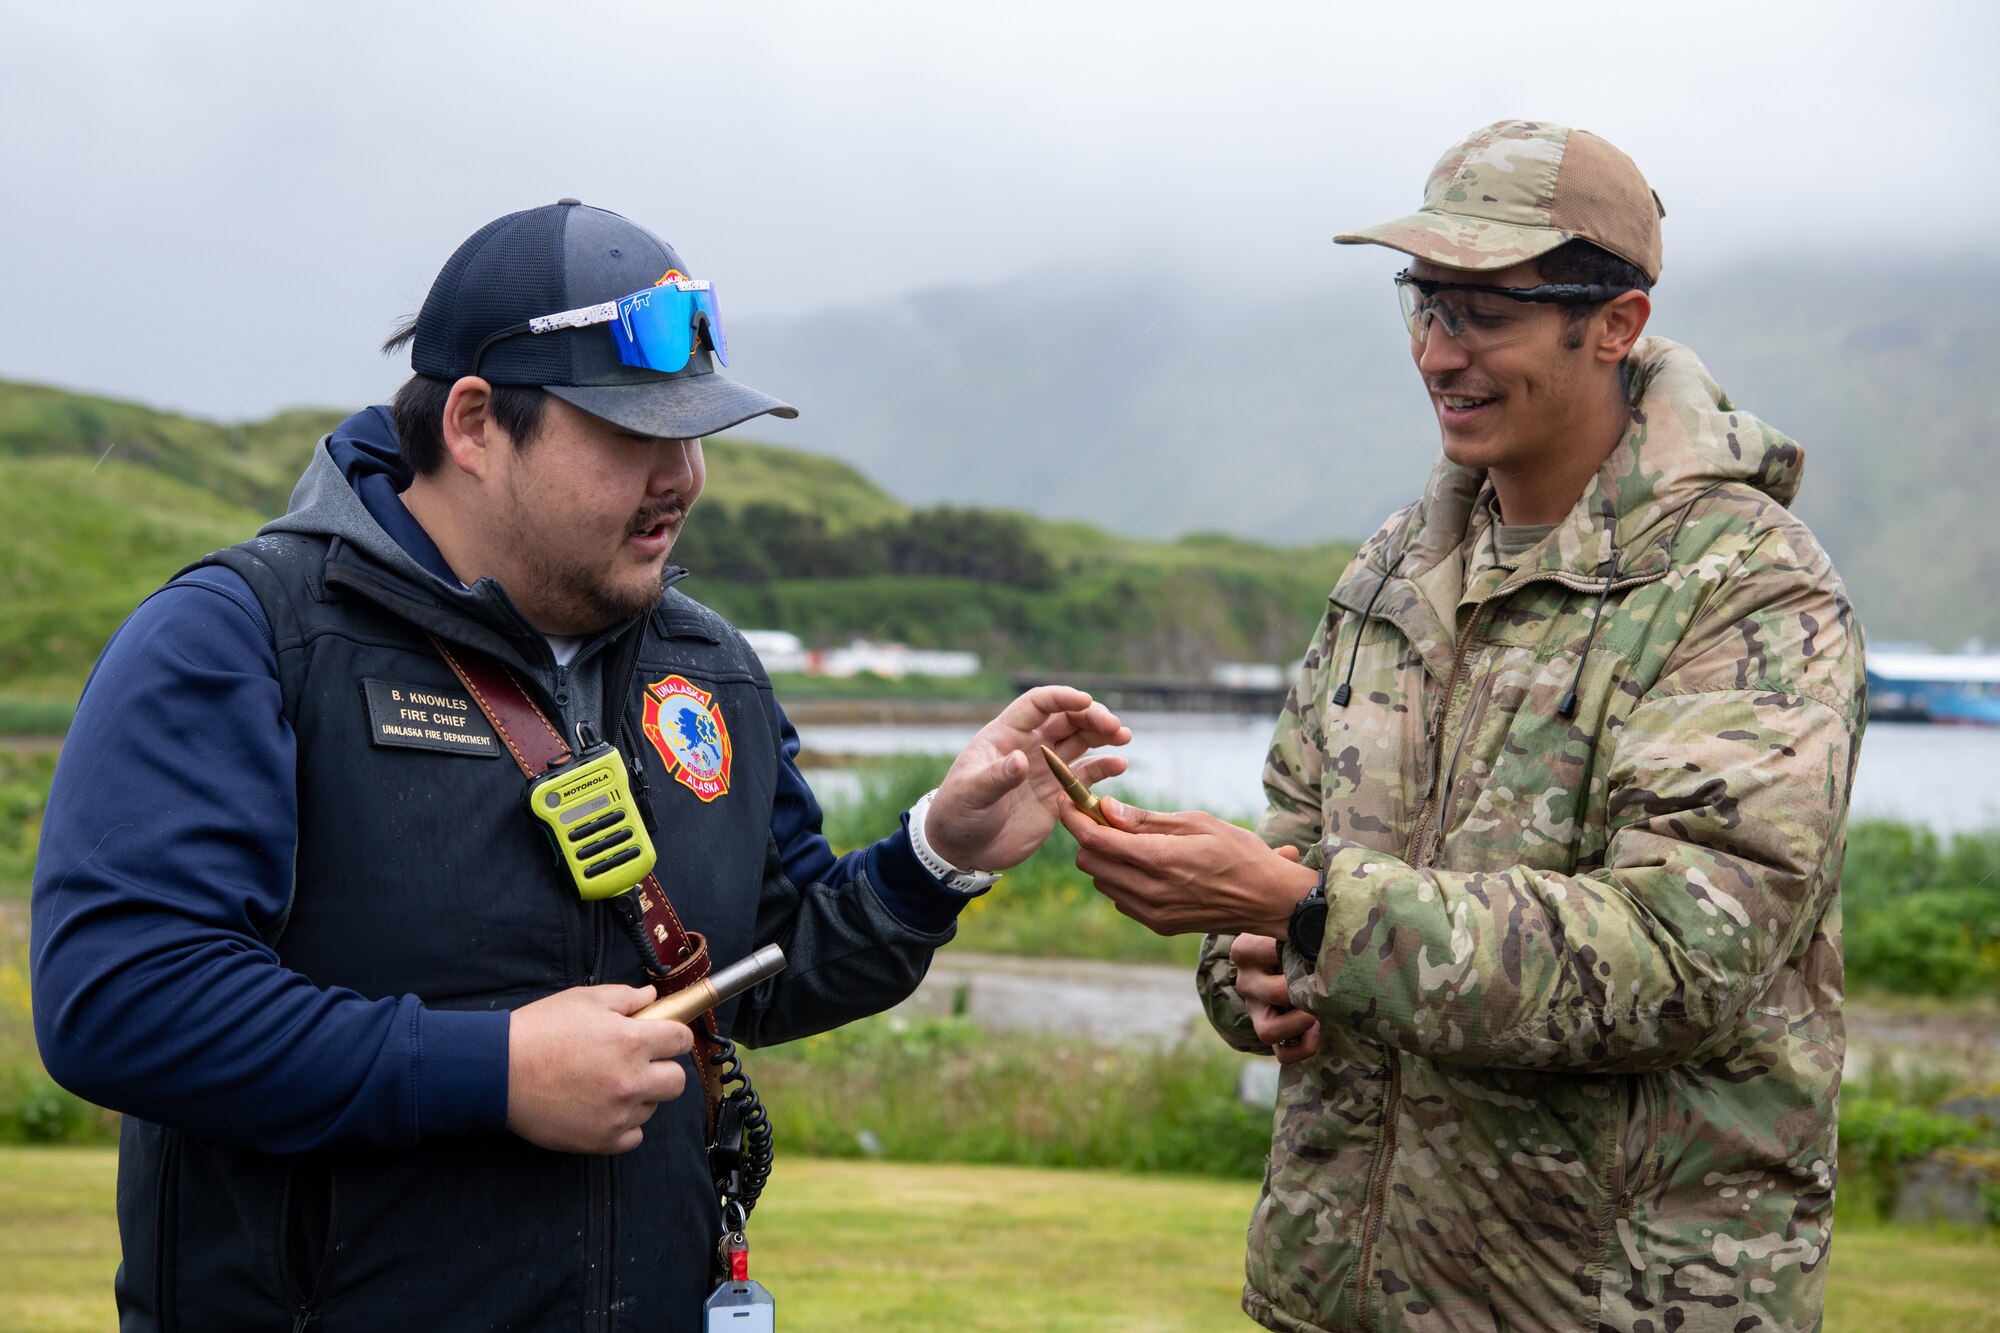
1157 694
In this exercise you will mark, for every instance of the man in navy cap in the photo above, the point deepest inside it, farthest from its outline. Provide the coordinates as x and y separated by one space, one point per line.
377 1053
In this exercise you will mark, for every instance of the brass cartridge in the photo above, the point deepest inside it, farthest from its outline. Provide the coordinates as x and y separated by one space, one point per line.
690 1002
1080 796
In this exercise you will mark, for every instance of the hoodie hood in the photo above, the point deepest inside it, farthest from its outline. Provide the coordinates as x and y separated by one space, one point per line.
351 491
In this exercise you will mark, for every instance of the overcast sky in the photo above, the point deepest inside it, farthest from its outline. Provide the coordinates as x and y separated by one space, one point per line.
223 207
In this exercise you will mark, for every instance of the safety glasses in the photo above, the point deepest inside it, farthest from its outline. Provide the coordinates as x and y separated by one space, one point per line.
657 328
1478 317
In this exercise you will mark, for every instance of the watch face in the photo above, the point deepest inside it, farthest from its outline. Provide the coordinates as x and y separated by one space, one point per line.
1308 926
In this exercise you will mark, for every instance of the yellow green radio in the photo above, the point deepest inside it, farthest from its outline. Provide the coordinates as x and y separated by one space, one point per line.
587 807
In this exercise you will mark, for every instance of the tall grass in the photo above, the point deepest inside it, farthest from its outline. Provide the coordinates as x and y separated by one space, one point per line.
33 1109
24 793
27 716
943 1090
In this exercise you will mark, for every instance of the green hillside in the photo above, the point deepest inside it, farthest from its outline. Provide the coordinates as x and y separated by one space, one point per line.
741 474
102 501
251 465
82 546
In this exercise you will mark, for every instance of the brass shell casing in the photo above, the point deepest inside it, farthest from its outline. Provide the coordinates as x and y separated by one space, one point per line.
1080 796
691 1002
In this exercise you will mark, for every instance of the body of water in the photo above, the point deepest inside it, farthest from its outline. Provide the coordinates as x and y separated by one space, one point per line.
1947 777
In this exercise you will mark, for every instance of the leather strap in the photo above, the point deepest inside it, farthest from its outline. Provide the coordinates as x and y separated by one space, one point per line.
680 956
533 741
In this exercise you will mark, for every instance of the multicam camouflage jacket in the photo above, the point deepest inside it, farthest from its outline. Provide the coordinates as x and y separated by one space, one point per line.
1579 994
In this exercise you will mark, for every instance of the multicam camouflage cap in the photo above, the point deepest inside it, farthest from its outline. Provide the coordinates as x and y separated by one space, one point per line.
1518 189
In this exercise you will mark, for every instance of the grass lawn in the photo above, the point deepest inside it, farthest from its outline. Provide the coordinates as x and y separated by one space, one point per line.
868 1245
58 1239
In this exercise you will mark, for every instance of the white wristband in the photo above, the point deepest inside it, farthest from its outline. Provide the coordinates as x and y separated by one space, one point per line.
959 881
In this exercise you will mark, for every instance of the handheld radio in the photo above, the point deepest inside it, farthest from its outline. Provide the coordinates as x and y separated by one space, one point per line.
587 808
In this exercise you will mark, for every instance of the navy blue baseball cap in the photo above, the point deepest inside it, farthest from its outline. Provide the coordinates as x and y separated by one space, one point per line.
532 299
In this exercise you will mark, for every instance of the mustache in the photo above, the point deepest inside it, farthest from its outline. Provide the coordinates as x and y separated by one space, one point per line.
670 510
1457 384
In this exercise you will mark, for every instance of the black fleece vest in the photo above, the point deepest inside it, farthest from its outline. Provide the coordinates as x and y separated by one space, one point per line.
419 872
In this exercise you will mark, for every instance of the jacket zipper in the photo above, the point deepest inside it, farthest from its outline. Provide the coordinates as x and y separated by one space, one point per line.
1419 833
1385 1154
166 1206
1468 722
1639 1178
1378 1189
307 1302
599 1314
591 918
604 1170
597 1172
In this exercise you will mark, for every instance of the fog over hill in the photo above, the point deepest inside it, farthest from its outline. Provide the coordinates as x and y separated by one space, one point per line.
1159 408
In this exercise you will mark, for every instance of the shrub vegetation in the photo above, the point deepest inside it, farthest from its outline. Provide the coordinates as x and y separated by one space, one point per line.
943 1090
1922 913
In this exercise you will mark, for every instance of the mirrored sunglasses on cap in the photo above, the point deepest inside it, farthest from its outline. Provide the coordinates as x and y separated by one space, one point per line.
655 327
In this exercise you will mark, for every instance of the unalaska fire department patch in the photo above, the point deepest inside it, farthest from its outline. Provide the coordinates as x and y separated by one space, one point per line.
685 726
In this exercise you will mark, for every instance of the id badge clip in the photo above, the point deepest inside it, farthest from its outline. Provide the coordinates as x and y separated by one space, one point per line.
587 808
738 1304
740 1307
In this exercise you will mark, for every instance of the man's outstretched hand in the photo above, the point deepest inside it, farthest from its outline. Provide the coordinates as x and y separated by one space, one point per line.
1188 872
997 802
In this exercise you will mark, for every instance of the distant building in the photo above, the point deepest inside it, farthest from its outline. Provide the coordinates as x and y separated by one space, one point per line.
778 649
782 651
1248 675
861 658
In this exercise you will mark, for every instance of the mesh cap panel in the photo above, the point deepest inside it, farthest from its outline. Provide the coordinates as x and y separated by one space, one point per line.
507 272
1601 198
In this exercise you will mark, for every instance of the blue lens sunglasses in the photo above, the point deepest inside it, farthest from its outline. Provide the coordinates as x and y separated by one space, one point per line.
657 328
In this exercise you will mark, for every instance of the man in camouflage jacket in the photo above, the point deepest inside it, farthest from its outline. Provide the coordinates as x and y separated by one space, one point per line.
1567 1051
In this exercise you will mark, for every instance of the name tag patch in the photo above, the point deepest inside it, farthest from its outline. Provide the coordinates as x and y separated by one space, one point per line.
428 717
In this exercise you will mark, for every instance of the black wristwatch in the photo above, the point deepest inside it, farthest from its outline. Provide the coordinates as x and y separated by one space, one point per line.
1308 924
